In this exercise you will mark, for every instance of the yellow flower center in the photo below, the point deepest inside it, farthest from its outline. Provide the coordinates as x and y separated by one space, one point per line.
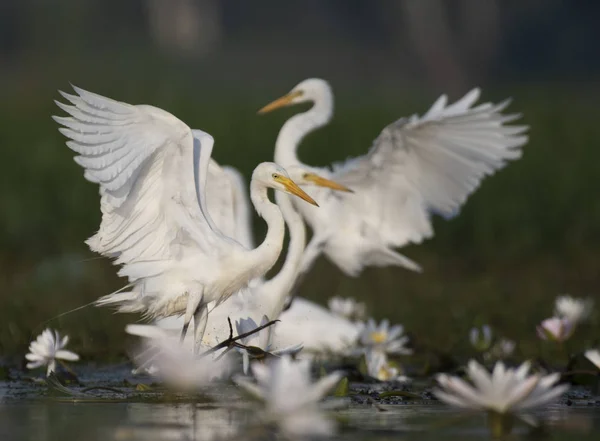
384 374
378 337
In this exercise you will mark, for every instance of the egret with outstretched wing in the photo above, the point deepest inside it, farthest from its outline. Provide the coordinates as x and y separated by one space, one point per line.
417 166
263 298
152 171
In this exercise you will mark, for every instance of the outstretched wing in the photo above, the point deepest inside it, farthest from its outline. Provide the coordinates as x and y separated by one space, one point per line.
228 202
419 165
241 206
152 174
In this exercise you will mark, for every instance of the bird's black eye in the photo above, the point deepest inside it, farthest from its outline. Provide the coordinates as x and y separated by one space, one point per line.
305 176
274 175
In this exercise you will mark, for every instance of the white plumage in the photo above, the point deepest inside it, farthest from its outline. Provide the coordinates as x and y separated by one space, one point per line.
417 166
263 299
152 170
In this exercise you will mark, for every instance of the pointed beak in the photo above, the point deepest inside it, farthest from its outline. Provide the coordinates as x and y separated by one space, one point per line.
285 100
292 188
322 182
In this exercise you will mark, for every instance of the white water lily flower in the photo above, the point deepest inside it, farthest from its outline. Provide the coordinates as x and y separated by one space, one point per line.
289 396
47 348
163 356
503 391
379 368
555 329
347 308
575 310
481 339
383 338
594 356
259 340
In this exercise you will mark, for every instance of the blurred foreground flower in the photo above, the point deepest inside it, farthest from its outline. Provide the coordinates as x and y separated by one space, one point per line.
347 308
555 329
573 309
46 349
503 394
594 356
289 396
379 368
162 356
383 338
481 339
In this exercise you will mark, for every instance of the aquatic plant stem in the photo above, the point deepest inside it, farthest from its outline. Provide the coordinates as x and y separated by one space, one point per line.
231 341
500 424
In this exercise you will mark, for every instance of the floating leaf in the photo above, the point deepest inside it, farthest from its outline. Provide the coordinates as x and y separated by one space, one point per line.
56 388
143 387
342 388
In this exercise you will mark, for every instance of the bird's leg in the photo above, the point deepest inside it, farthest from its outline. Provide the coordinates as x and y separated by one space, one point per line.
200 320
194 300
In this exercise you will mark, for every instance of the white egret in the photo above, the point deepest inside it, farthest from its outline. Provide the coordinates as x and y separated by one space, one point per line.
152 171
317 328
263 298
417 166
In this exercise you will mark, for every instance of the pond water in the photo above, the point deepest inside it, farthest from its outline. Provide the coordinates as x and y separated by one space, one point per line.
52 421
28 411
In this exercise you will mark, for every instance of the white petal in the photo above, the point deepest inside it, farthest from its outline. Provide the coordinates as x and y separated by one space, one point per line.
250 387
466 391
66 355
594 356
35 364
454 400
324 385
544 398
51 367
34 357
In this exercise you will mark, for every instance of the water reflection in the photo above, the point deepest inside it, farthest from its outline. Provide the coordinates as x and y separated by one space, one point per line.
53 421
179 422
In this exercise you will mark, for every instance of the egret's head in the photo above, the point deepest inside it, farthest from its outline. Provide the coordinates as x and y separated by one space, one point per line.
310 90
273 176
303 176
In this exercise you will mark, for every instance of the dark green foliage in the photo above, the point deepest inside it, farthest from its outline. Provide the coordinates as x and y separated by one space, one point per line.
526 235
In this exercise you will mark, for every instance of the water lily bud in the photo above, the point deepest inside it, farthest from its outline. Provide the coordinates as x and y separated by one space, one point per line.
555 329
481 339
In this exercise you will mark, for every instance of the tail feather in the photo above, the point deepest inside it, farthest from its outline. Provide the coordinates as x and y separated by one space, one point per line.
384 256
147 331
124 301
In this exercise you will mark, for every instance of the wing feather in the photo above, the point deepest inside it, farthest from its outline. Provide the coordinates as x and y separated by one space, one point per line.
419 165
227 201
152 175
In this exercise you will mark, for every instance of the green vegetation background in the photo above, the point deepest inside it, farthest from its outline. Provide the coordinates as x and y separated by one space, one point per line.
528 234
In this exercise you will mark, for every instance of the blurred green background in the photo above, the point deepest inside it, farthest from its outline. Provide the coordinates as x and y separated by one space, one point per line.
528 234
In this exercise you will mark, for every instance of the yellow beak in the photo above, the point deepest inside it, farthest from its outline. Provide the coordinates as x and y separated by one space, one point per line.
292 187
322 182
285 100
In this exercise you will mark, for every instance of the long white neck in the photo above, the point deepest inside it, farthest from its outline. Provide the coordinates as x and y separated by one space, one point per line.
300 125
265 255
276 290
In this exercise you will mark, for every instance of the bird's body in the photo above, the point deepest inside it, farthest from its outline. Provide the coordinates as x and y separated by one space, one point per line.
417 166
263 299
152 170
316 328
